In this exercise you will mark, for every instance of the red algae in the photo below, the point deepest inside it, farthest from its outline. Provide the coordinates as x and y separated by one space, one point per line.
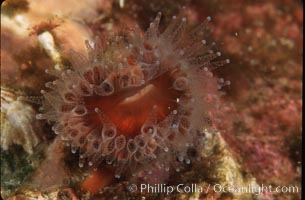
138 99
266 90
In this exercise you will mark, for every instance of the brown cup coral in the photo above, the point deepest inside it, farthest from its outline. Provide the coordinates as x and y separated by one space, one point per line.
137 98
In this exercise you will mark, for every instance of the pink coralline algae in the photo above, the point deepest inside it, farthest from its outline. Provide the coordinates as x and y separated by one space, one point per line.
138 98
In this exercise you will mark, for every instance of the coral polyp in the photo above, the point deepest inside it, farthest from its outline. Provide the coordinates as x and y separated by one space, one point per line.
137 97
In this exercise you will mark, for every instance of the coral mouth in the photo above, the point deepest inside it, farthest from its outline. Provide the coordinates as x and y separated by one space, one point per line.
128 110
147 90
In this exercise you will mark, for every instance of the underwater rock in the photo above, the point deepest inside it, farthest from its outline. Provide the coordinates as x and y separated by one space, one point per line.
260 134
58 194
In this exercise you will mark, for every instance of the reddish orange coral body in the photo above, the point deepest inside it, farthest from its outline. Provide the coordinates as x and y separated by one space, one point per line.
129 109
97 180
